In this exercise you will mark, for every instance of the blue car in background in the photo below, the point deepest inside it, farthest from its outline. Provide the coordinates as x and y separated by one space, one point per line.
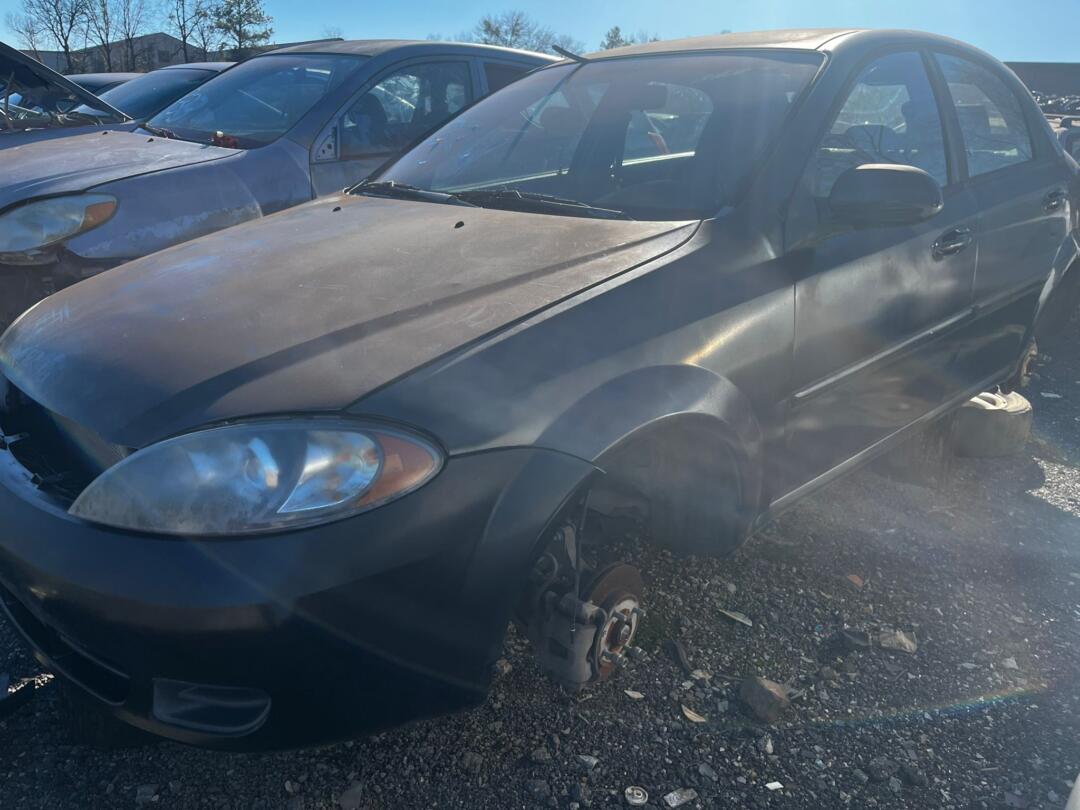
149 93
99 83
274 131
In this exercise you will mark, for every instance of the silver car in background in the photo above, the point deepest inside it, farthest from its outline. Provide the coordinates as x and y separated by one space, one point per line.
272 132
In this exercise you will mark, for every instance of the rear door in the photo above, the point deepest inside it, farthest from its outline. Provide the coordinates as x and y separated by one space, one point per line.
1019 183
876 308
403 104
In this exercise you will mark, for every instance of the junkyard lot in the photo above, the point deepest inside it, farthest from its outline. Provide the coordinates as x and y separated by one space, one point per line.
985 569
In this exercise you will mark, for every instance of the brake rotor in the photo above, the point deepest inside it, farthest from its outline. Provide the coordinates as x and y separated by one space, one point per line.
617 589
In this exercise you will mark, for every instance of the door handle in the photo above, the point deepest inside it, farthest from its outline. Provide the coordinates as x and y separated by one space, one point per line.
952 242
1055 200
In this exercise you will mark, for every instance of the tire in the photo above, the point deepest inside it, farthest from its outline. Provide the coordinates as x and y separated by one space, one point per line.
992 425
91 725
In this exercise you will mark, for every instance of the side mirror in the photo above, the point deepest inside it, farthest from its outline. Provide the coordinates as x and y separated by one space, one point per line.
884 194
1070 140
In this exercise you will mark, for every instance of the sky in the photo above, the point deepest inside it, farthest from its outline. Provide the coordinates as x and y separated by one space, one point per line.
1022 30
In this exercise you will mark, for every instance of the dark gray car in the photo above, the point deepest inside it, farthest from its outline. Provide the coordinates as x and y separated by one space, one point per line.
289 482
272 132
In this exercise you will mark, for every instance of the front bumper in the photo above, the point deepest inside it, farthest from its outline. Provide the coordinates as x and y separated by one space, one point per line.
292 639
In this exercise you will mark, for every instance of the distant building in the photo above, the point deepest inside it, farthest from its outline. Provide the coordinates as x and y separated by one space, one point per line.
146 52
1049 78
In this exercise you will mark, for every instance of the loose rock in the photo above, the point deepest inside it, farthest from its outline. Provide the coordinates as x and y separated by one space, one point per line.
766 699
901 640
677 798
586 762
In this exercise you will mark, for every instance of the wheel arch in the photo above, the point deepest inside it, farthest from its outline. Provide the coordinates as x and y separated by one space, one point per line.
1060 294
695 426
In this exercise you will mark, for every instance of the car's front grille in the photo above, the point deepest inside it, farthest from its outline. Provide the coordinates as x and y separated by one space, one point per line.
61 456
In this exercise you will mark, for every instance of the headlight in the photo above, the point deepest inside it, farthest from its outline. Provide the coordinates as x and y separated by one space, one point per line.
39 224
259 477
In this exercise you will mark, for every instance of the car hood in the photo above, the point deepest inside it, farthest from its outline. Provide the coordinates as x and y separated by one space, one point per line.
307 310
79 162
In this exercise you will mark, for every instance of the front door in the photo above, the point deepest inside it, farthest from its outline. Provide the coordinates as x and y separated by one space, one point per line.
402 106
875 307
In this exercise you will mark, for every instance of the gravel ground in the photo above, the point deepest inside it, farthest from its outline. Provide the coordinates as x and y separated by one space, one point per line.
983 568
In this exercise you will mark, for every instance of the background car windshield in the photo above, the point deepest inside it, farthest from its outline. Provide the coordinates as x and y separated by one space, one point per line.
30 104
656 138
145 95
258 101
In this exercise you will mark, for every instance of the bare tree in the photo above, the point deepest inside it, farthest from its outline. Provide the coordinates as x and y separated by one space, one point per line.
58 20
244 24
204 32
29 31
131 17
516 29
100 28
333 32
183 16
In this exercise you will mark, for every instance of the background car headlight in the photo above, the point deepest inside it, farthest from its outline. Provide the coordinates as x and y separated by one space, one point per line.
259 477
39 224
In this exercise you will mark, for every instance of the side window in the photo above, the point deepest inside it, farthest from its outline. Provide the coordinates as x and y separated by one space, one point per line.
672 127
500 74
991 119
890 116
403 106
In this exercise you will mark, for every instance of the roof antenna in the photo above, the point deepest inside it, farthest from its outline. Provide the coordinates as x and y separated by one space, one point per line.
561 51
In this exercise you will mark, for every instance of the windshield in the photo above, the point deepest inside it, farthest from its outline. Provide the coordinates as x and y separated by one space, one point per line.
256 102
27 102
653 138
147 94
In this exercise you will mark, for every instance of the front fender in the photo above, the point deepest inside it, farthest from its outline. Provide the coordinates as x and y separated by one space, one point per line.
609 414
162 209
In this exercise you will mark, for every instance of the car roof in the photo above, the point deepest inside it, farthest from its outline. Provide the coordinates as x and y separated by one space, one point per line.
377 47
798 38
805 39
217 67
104 77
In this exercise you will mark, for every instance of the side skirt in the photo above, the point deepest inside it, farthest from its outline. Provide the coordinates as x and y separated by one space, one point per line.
785 502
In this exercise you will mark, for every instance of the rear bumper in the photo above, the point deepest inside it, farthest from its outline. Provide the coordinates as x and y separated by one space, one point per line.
292 639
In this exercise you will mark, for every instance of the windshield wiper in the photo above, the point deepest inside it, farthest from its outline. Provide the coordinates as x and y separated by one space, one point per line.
160 132
403 191
534 201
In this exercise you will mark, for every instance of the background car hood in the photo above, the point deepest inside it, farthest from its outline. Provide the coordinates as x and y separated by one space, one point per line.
79 162
306 310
